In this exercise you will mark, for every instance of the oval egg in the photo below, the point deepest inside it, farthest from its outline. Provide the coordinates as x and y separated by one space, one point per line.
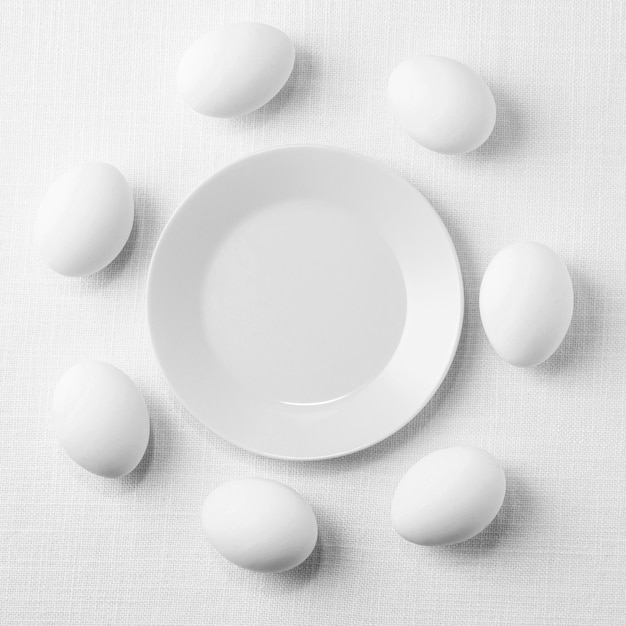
100 418
448 496
442 104
259 524
526 303
236 69
85 219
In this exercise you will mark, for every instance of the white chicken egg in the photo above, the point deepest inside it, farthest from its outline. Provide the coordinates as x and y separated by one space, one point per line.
259 524
236 69
526 303
100 418
85 219
448 496
442 104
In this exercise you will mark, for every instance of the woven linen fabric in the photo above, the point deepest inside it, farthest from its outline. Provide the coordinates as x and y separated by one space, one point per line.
94 80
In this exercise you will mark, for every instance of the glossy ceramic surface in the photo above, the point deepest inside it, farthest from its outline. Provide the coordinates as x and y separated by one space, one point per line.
305 302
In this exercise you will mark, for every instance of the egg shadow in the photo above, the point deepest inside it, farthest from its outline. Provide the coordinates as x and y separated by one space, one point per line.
159 442
310 568
509 132
584 330
113 270
516 509
148 218
116 487
143 229
138 475
296 90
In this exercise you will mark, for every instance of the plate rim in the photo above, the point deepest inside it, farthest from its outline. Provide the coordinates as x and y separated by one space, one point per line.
400 179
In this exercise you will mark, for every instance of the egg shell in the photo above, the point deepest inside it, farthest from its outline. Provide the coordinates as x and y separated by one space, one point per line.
100 418
448 496
85 219
236 69
258 524
526 303
442 104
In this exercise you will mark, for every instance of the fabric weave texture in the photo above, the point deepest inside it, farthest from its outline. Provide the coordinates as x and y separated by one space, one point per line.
91 80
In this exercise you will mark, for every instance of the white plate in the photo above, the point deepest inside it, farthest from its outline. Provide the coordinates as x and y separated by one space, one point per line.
305 302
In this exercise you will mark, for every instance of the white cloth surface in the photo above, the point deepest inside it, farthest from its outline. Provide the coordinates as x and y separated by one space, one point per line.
94 80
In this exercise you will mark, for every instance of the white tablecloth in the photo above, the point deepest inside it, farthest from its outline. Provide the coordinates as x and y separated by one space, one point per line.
94 80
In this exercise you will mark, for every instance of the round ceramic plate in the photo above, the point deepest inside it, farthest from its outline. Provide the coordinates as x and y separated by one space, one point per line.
305 302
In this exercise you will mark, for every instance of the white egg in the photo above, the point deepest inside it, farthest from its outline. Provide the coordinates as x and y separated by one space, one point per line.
526 303
85 219
100 418
259 524
236 69
448 496
442 104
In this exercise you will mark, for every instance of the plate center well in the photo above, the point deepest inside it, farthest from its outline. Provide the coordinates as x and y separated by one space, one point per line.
303 303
